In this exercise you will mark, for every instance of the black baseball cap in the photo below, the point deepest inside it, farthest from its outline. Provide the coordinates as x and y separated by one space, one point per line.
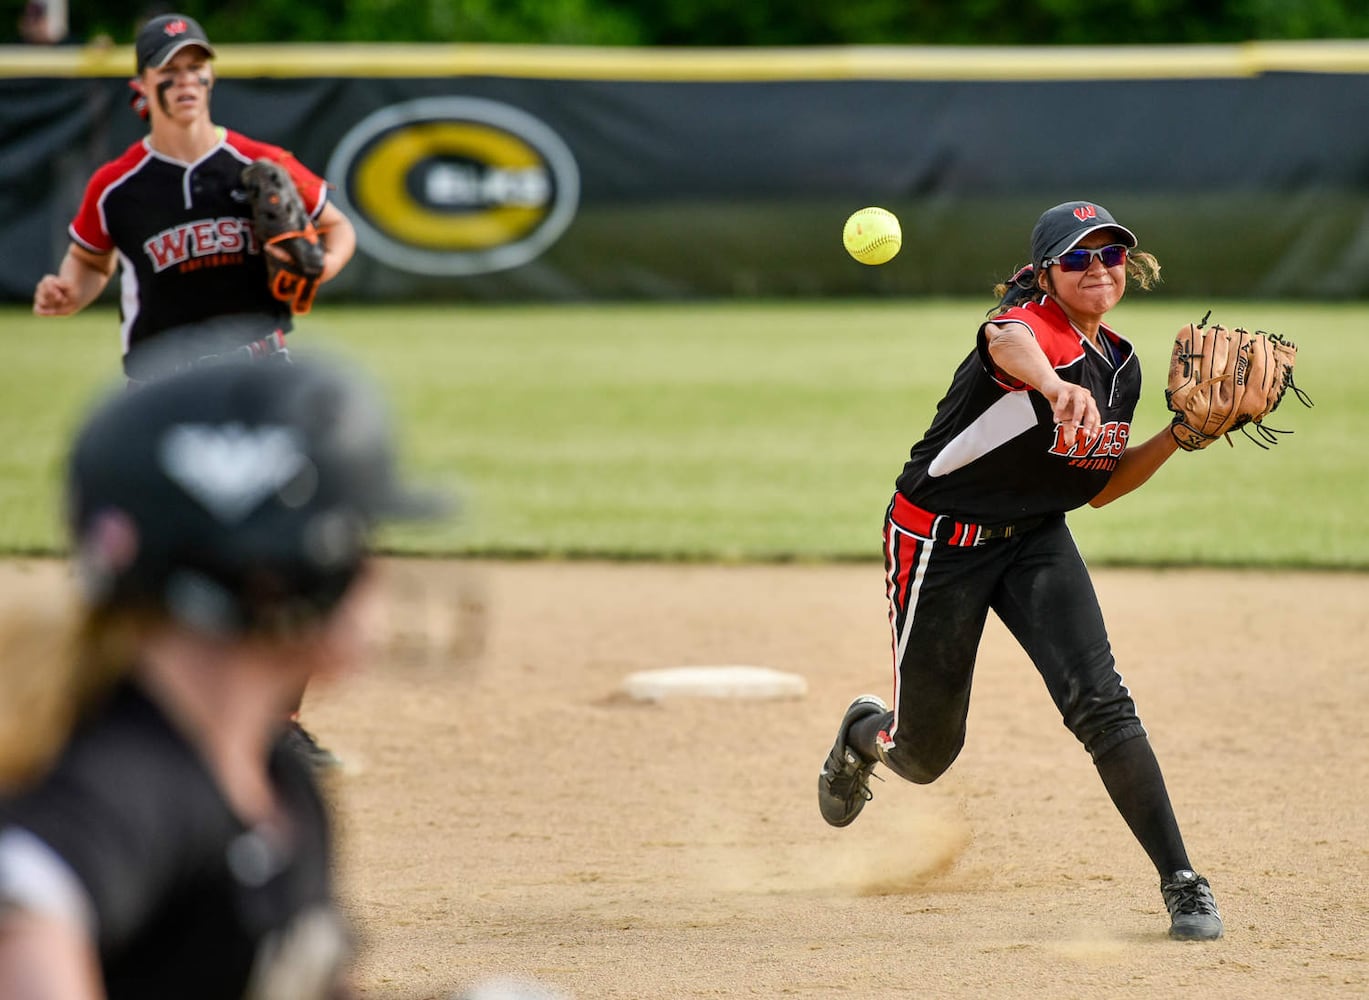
162 37
235 498
1062 227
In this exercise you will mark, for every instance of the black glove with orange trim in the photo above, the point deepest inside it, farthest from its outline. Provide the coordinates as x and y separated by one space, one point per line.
289 240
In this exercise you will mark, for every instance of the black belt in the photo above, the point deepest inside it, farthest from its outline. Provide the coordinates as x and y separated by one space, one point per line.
989 532
944 528
270 346
272 343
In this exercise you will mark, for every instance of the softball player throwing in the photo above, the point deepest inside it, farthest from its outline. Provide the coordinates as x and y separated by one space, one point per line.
172 212
1037 422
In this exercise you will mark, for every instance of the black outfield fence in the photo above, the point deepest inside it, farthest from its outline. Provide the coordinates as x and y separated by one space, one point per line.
526 173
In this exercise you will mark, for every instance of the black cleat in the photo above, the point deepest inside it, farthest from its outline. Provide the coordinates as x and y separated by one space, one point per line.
302 742
844 784
1193 912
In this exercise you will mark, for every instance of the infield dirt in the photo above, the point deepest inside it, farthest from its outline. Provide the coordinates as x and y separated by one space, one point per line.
504 810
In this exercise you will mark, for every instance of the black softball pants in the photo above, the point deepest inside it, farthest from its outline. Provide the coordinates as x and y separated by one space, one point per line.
940 593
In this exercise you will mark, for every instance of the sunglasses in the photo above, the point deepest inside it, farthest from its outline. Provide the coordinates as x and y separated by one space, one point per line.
1082 259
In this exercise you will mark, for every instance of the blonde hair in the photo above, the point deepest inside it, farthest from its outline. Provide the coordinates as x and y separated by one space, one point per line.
55 668
1142 268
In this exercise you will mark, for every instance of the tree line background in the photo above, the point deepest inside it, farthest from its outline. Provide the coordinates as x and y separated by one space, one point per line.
736 22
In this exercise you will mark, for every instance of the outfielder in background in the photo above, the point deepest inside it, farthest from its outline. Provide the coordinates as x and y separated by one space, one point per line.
1037 422
159 837
172 211
175 213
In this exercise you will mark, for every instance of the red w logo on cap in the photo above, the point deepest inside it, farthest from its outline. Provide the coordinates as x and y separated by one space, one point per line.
1085 212
176 28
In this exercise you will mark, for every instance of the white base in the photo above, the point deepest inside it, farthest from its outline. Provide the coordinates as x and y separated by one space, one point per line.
714 682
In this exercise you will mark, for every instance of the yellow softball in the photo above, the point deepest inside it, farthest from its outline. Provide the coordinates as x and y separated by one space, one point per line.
872 235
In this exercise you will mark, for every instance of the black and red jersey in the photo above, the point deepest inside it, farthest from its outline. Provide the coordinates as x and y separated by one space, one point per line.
993 452
183 233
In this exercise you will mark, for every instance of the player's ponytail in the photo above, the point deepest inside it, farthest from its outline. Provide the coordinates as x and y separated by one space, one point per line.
55 667
1143 269
1020 288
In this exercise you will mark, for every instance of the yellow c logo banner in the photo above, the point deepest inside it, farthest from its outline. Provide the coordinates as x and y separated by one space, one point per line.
455 185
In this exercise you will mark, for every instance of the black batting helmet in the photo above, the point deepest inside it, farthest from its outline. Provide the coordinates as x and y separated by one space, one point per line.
235 498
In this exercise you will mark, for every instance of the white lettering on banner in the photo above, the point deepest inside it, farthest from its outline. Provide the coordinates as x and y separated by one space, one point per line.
465 187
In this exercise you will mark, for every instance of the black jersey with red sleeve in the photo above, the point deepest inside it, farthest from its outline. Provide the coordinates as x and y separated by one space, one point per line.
183 233
993 452
186 900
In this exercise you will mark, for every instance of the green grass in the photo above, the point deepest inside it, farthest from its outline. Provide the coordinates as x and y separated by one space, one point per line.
736 431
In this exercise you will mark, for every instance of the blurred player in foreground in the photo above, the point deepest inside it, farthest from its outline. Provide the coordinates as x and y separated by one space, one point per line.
157 836
173 211
1037 421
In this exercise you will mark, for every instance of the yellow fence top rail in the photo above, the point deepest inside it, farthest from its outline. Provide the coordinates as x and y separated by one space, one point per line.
857 62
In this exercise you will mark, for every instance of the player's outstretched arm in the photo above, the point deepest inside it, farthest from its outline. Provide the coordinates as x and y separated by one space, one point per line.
1017 354
77 283
1137 464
